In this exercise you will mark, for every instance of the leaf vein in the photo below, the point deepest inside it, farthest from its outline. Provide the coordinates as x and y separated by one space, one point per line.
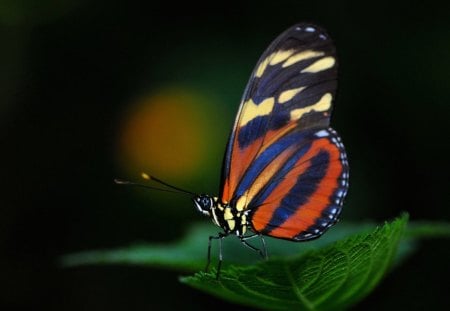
301 298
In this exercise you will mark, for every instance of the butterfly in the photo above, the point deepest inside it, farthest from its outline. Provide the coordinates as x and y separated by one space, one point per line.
285 171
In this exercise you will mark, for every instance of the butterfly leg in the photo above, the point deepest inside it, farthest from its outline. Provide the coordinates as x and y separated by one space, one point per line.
263 242
219 237
263 252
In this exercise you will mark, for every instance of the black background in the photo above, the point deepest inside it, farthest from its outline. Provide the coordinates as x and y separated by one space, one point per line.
69 70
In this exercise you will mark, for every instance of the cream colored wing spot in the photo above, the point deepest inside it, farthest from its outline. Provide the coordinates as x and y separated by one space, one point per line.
320 65
272 59
301 56
289 94
262 67
322 105
251 110
280 56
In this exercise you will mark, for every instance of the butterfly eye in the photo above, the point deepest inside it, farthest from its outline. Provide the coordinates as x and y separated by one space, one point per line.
203 203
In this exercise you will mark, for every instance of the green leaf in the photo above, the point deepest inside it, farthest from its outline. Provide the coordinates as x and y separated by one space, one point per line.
332 272
189 253
331 278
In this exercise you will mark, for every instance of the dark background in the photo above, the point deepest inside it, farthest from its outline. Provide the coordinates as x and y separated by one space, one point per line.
69 79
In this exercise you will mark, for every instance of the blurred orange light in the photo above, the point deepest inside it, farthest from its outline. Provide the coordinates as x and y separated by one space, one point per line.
166 134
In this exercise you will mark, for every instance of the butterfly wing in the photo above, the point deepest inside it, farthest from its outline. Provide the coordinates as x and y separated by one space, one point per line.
282 161
304 196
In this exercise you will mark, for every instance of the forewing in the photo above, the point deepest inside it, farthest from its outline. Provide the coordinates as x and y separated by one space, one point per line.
291 89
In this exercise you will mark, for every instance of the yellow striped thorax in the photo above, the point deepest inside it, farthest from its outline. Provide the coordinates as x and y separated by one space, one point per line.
230 218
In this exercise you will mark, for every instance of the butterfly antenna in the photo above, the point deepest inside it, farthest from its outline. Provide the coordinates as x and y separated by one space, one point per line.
149 177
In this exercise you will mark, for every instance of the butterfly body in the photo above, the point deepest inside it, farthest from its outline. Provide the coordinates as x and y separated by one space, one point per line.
228 217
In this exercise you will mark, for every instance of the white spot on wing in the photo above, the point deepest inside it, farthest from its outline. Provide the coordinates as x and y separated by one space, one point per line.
322 133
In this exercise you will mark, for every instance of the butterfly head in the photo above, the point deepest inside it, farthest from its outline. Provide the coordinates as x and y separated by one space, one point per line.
204 204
